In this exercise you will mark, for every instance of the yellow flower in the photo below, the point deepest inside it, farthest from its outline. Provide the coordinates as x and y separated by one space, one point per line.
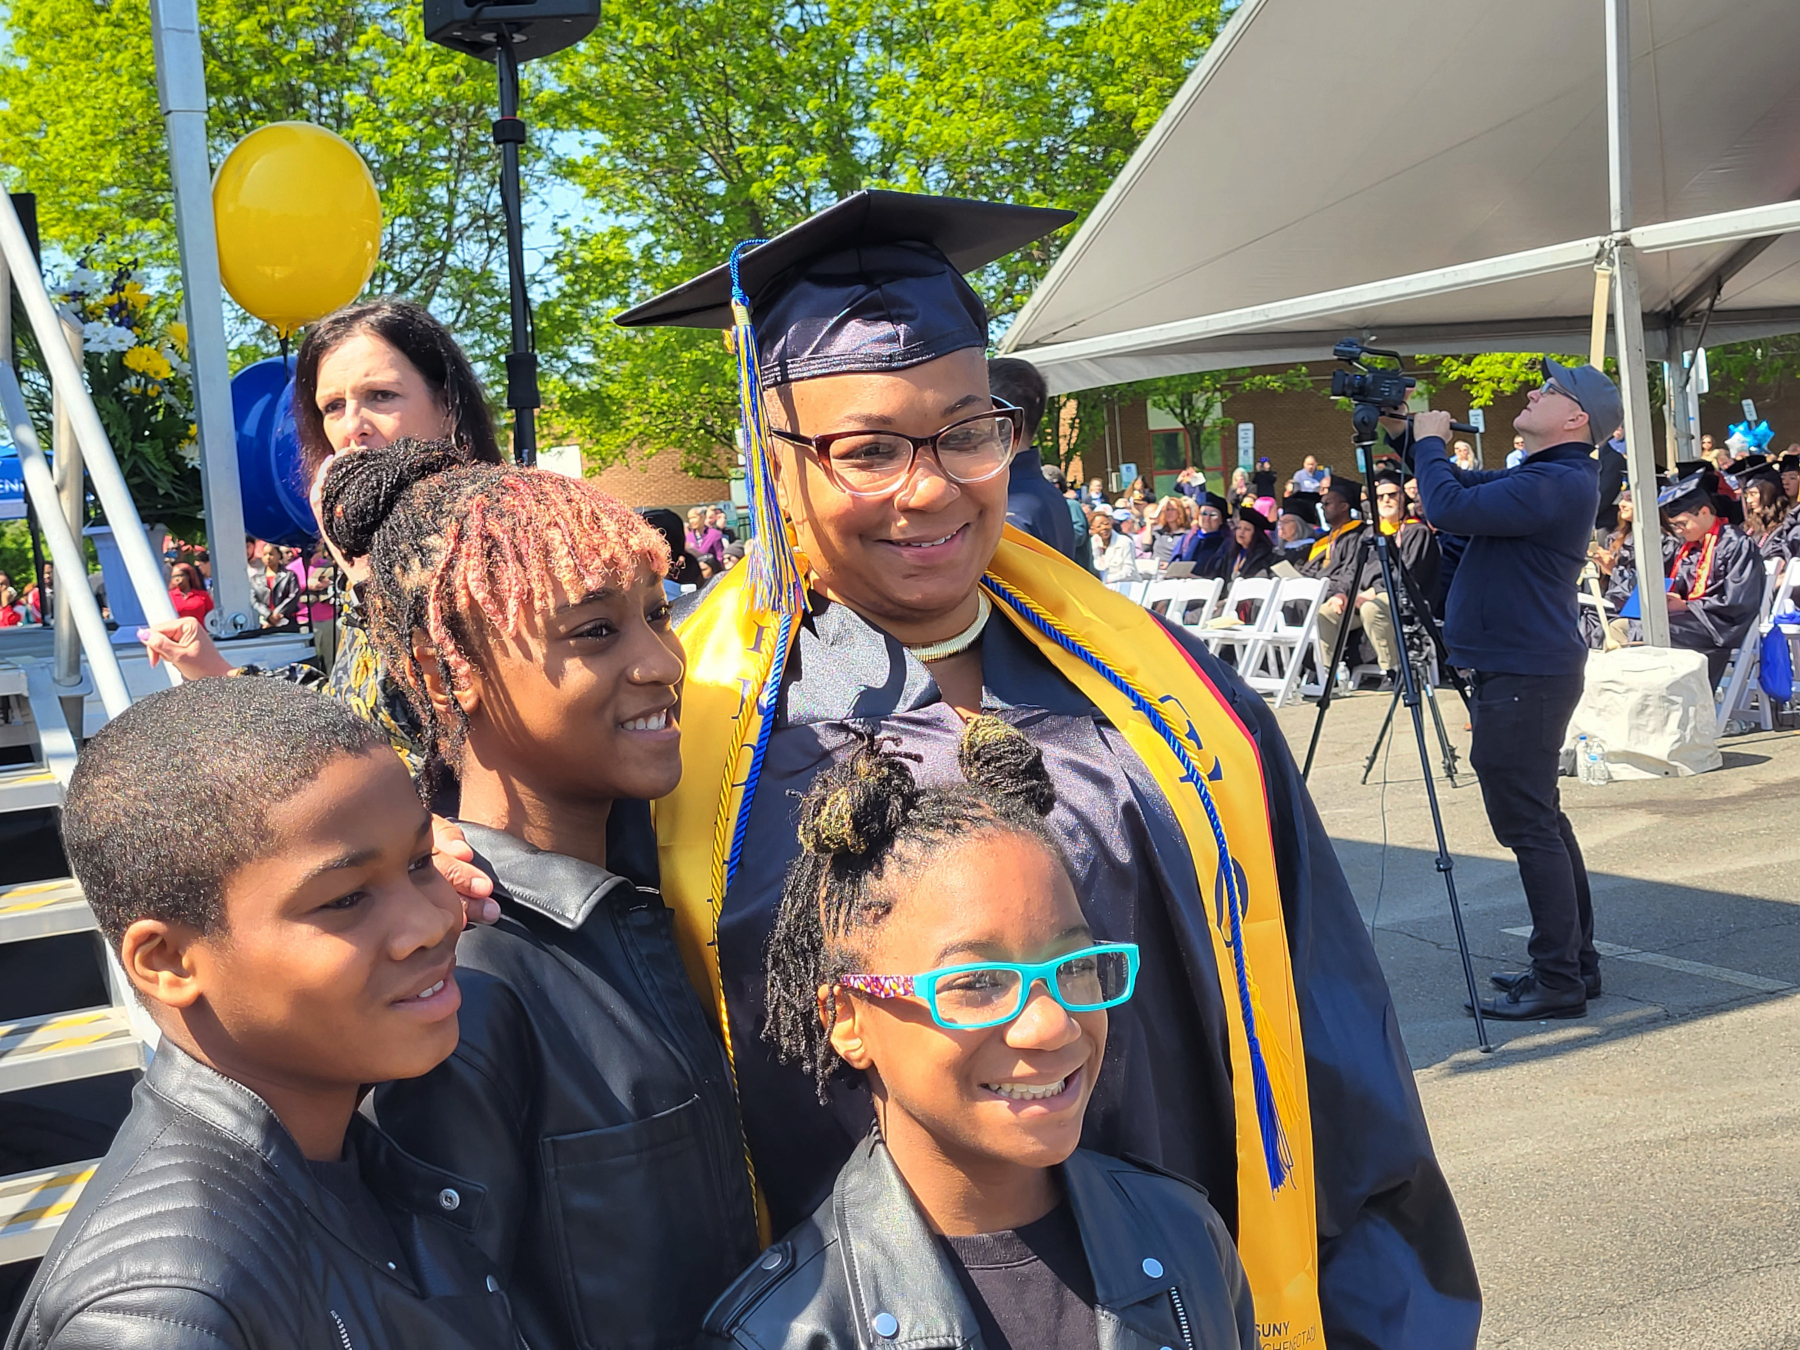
148 361
134 293
193 431
178 335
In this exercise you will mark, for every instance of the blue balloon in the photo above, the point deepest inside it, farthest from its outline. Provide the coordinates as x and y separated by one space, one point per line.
268 444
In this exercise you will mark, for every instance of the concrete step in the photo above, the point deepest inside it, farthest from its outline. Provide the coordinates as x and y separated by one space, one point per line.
28 787
32 1207
40 909
65 1046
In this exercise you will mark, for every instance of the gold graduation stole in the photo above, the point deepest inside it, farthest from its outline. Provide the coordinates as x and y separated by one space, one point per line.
1203 759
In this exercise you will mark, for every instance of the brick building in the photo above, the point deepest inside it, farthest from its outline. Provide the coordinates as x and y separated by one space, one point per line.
657 479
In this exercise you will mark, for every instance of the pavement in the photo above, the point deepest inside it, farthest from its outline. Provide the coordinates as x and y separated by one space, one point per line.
1631 1179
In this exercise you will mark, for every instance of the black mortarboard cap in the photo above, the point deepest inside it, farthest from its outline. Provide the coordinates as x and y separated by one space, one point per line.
1685 468
1748 463
1346 487
1213 499
1789 463
1686 494
1248 512
870 284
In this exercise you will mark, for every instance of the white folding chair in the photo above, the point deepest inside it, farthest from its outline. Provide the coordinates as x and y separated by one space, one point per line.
1131 590
1188 601
1246 638
1276 664
1743 693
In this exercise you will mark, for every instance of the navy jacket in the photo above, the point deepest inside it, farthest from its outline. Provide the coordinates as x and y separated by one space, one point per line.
1511 606
1036 507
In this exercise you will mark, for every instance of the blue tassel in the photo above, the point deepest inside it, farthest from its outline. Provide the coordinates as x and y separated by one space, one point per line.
765 709
775 583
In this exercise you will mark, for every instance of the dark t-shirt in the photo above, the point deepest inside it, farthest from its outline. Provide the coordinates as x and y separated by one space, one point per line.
367 1221
1030 1288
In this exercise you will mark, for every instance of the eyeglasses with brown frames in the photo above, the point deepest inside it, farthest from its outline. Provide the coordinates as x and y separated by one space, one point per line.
876 463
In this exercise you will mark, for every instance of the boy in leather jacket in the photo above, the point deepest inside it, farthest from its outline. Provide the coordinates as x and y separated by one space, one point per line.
257 859
523 613
930 940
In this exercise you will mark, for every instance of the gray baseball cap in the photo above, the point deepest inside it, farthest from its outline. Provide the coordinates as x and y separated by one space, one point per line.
1593 392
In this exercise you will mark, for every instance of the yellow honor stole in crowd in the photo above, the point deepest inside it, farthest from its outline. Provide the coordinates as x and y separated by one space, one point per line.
1208 768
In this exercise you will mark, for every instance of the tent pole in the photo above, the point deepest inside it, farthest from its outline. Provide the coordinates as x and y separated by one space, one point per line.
181 88
1628 331
1681 433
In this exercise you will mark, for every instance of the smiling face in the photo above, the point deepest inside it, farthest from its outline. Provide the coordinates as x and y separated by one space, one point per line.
333 966
911 559
370 395
582 702
1389 501
975 1100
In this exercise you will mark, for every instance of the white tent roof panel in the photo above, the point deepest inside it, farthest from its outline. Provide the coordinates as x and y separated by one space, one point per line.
1317 147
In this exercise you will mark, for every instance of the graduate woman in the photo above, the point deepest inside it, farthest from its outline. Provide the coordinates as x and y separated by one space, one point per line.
883 593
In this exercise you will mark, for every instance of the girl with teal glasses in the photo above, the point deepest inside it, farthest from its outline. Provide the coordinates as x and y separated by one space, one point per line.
929 943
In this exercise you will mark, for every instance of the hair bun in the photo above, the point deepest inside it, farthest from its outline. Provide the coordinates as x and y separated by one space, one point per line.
362 487
857 806
997 759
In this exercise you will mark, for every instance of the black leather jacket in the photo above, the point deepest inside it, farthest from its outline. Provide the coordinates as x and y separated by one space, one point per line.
1166 1275
591 1097
204 1229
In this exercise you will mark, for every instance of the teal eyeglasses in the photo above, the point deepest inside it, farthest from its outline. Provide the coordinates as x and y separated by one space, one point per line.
989 993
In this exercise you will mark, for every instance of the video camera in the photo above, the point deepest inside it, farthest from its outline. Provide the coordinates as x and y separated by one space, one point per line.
1374 393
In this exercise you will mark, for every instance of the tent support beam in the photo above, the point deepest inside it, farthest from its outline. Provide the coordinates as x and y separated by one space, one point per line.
1722 227
1706 293
1628 330
1681 433
181 89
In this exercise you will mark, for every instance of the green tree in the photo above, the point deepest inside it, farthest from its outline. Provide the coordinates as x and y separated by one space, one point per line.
696 124
80 120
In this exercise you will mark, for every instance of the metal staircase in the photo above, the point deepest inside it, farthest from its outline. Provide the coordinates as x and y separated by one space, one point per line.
73 1037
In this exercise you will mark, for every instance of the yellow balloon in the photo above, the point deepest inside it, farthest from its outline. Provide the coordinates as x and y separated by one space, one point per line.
299 223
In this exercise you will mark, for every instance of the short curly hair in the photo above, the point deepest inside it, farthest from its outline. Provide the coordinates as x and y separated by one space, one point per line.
170 798
864 825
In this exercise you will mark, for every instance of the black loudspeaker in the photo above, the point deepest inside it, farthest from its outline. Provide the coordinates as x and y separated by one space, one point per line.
536 27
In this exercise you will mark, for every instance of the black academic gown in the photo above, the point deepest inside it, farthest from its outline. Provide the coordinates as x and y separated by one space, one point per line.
1338 563
1417 548
1395 1266
1203 550
1717 621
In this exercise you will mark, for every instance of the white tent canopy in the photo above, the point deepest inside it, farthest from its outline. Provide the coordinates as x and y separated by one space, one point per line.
1434 173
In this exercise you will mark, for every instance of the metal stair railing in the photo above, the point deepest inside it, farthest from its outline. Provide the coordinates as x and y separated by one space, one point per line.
102 465
66 553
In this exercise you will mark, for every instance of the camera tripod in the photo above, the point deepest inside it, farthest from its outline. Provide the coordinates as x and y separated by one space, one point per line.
1394 577
1413 634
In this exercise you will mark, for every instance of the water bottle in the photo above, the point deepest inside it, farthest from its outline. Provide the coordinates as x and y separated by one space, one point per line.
1597 772
1582 771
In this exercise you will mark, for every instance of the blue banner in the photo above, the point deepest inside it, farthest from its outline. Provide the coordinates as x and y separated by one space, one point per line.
12 489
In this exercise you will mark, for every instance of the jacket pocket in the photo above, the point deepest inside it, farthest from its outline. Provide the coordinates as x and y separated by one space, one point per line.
637 1230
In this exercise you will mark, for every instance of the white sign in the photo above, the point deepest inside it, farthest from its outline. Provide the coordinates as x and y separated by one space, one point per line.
1128 473
1749 406
1478 419
1246 444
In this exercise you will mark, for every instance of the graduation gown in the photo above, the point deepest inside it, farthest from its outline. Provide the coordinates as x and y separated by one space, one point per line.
1203 550
1337 562
1417 548
1732 595
1395 1268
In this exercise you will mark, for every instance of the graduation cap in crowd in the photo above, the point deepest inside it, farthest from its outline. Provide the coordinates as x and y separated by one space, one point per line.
1687 468
1213 499
871 284
1789 464
1686 494
1248 512
1757 467
1347 488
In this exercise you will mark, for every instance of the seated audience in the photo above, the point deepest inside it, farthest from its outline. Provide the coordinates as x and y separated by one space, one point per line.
523 613
1308 478
258 861
1294 537
1770 518
1115 556
929 942
1169 527
1206 543
1252 553
1032 504
1715 579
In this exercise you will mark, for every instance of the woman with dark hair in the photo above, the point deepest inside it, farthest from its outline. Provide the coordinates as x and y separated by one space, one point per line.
186 592
368 375
1770 518
1251 553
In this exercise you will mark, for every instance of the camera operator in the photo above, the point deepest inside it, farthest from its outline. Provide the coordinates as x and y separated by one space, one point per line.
1511 618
